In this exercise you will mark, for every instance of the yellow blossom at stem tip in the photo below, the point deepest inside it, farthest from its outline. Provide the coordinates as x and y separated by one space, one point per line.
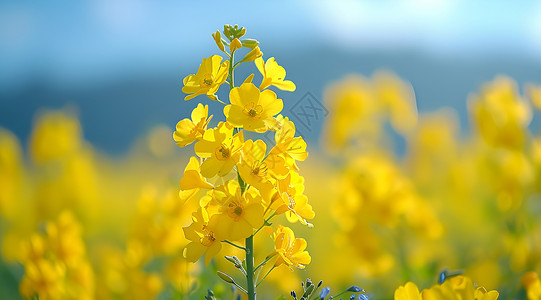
251 109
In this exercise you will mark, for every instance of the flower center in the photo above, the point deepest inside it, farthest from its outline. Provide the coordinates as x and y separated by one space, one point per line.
235 211
259 169
223 153
252 110
208 239
206 81
291 203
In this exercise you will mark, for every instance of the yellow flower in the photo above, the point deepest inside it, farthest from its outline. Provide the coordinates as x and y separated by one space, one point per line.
221 148
482 294
202 240
235 44
407 292
254 168
458 288
251 109
288 146
187 131
273 74
290 249
192 178
234 216
290 200
207 80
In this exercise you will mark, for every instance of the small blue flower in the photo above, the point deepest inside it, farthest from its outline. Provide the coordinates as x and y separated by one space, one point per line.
324 293
442 277
352 297
355 289
294 295
363 297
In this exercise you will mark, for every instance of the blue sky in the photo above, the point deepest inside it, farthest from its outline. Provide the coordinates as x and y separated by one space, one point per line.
76 41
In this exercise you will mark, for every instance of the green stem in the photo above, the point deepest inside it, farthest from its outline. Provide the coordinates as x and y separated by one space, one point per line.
231 77
265 276
250 268
265 223
233 244
264 262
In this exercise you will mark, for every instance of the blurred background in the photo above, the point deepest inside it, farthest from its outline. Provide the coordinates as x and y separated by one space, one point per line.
121 62
410 171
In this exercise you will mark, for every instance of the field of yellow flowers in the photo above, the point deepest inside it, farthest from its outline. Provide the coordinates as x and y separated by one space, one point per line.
238 205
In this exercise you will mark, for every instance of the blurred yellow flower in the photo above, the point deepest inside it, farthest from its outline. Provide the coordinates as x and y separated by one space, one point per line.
273 74
11 172
454 288
354 111
500 114
251 109
291 250
532 284
55 263
534 94
56 135
43 278
398 98
187 131
211 74
221 149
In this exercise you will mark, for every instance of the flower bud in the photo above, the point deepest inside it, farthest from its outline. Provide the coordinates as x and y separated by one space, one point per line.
218 39
294 295
235 44
225 277
252 55
241 33
235 260
250 43
227 31
324 292
309 290
355 289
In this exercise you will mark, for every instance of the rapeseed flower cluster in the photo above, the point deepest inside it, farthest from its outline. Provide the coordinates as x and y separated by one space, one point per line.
242 183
